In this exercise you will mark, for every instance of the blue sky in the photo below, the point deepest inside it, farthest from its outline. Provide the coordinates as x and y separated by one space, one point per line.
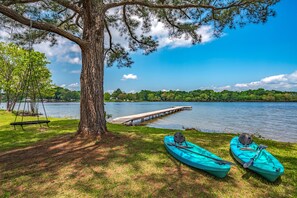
241 56
250 57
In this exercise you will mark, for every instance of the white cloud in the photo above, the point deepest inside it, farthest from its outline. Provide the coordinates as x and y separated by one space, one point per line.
227 87
110 91
160 32
3 35
132 91
279 82
274 79
75 71
73 86
75 48
57 50
240 85
283 82
65 51
74 60
129 77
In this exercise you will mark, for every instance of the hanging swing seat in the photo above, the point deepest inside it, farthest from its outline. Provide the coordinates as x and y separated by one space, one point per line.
30 122
14 124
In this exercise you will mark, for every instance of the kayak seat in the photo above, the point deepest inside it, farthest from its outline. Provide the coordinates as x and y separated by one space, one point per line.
179 138
245 139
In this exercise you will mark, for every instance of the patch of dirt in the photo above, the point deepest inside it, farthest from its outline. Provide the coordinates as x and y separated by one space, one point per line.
50 156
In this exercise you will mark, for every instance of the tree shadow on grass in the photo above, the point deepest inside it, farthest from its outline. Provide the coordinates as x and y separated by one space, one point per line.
120 164
10 138
79 158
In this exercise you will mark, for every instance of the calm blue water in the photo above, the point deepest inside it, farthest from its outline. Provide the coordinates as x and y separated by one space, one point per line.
276 121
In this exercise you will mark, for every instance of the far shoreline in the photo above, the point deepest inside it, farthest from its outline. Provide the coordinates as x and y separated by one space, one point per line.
179 101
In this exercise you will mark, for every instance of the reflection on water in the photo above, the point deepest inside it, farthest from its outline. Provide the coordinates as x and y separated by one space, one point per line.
276 121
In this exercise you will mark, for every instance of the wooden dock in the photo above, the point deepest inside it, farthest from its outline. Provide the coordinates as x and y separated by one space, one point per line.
128 120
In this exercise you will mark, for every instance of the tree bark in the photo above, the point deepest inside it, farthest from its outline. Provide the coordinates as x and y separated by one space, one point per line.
7 102
92 115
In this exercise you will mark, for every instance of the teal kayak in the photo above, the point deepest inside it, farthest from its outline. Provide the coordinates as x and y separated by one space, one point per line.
197 157
265 164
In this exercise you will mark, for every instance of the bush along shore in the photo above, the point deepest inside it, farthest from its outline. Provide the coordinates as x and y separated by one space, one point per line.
125 162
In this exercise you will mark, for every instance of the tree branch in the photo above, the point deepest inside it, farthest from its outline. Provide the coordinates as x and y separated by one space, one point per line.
169 6
185 13
129 28
67 20
171 23
8 3
77 21
69 5
110 39
39 25
64 3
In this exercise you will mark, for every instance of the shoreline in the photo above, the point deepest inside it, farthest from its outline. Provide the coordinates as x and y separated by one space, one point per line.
258 136
183 128
258 101
273 121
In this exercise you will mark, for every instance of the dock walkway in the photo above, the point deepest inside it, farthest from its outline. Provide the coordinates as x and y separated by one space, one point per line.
128 120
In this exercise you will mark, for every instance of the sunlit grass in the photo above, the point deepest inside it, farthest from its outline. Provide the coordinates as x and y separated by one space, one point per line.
130 162
10 138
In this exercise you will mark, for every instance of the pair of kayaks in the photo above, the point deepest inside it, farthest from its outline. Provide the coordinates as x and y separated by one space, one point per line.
253 157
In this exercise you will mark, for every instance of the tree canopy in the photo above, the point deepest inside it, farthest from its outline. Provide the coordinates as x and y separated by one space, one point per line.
15 63
132 19
92 24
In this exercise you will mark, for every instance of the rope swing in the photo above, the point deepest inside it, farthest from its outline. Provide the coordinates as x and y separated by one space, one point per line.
29 103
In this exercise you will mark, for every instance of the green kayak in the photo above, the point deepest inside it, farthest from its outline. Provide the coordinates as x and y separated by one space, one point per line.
262 162
195 156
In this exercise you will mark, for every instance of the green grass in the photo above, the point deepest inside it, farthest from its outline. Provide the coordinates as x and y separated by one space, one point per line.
129 162
10 138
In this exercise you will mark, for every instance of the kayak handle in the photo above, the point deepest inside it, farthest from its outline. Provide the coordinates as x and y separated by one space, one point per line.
249 163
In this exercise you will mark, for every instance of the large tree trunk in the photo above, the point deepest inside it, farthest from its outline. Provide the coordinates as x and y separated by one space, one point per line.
92 116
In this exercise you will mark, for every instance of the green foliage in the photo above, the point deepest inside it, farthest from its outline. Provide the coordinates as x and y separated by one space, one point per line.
259 95
66 95
106 96
206 96
132 20
20 70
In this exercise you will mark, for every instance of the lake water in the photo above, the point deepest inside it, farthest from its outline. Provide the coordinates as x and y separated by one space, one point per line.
276 121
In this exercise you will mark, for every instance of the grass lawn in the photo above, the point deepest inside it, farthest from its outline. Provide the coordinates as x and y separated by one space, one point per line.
128 161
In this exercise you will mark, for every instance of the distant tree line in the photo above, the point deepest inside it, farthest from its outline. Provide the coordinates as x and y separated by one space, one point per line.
57 94
64 95
60 94
259 95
